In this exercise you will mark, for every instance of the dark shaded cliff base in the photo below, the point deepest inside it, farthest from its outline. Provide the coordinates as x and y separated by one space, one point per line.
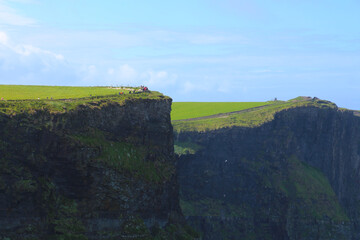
95 168
289 171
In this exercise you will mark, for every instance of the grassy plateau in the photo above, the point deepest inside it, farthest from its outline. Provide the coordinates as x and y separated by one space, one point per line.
23 92
185 110
20 99
249 116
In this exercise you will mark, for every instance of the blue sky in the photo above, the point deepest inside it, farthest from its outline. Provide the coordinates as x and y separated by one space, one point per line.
229 50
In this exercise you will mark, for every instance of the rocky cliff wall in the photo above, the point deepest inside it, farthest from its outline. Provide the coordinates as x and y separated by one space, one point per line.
104 170
295 177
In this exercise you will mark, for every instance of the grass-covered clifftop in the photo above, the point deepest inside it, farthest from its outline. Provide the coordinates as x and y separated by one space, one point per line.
281 171
122 155
20 99
186 110
87 167
247 117
28 92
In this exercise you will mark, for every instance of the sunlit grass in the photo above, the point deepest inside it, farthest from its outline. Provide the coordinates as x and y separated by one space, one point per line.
24 99
251 118
186 110
23 92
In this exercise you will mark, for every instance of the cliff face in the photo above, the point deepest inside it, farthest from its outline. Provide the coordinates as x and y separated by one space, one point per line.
295 177
102 171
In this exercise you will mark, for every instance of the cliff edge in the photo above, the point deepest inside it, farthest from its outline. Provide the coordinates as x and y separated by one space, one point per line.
91 168
287 171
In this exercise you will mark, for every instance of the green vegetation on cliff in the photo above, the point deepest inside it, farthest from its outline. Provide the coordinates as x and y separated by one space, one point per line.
183 148
101 96
125 157
268 193
251 117
312 192
28 92
304 185
186 110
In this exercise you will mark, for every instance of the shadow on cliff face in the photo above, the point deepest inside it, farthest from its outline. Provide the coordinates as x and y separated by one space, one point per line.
295 177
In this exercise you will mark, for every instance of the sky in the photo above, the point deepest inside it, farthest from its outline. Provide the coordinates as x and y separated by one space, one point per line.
198 50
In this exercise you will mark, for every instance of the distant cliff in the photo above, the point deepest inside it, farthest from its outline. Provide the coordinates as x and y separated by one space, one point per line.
295 175
97 168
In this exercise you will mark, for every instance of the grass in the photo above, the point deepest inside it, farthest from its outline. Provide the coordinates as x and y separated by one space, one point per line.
13 107
24 92
186 110
251 118
184 148
126 157
313 189
306 188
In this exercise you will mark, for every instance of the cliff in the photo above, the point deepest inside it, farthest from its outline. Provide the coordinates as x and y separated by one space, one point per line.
292 174
93 168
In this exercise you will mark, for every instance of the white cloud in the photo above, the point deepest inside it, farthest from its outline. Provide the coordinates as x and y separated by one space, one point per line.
189 87
122 75
89 74
126 73
192 86
26 64
208 85
26 49
111 71
83 46
9 16
3 38
159 79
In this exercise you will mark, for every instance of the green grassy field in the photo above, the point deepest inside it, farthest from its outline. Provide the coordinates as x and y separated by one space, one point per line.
24 99
186 110
251 118
22 92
